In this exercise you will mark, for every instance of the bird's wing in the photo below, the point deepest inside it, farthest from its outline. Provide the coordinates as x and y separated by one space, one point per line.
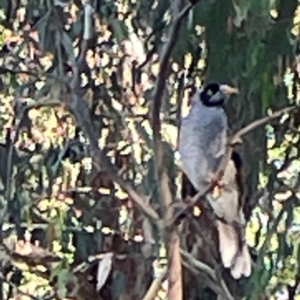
192 152
202 144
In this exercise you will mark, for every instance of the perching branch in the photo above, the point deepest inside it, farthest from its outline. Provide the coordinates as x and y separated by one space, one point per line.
232 141
262 121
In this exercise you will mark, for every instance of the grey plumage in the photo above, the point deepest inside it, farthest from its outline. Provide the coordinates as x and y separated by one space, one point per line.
202 141
202 144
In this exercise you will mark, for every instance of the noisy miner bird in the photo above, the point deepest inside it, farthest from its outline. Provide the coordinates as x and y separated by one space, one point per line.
202 144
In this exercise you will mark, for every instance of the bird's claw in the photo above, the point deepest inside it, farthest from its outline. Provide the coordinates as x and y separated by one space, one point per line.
218 185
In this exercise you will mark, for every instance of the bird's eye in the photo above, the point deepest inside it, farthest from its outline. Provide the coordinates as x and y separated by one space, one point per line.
209 92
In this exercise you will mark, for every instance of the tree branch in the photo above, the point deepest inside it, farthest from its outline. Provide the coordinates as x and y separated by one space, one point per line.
263 121
207 270
37 75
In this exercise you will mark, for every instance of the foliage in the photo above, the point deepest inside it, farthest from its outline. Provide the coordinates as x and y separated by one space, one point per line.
67 211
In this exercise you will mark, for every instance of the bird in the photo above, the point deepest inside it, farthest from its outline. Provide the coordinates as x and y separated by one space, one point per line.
203 134
203 139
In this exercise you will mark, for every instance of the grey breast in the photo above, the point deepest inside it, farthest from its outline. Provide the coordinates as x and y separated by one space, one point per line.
203 138
216 138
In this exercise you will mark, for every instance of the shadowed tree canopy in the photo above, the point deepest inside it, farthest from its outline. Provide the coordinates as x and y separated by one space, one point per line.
92 94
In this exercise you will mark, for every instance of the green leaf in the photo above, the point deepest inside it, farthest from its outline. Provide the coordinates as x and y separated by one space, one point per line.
43 29
63 276
119 284
68 45
144 134
119 28
241 11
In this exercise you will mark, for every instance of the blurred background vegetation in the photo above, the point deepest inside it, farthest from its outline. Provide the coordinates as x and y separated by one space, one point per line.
70 229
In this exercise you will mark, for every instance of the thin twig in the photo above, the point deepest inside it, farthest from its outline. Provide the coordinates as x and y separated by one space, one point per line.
207 270
262 121
157 100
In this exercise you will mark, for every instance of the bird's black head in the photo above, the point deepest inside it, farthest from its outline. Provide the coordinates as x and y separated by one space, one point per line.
237 160
215 94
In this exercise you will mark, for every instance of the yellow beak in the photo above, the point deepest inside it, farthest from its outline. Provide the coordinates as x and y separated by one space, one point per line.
228 90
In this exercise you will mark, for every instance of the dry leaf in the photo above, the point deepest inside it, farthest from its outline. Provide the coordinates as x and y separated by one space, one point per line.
104 268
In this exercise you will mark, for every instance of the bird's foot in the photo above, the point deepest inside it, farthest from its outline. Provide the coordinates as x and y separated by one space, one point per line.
218 185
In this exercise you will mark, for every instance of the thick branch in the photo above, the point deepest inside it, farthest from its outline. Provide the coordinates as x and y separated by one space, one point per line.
261 122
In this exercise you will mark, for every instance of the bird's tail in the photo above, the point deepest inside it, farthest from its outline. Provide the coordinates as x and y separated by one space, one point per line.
234 251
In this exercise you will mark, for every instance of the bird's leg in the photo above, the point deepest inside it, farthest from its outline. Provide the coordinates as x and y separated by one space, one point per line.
218 185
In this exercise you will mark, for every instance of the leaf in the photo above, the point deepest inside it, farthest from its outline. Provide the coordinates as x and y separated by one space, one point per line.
84 244
104 267
68 45
4 5
241 10
43 27
143 133
76 29
63 276
52 161
184 45
119 29
119 284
